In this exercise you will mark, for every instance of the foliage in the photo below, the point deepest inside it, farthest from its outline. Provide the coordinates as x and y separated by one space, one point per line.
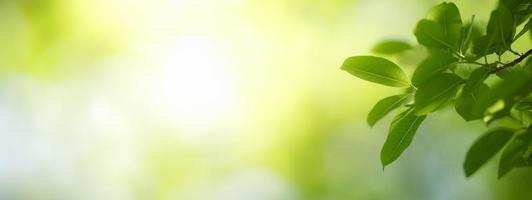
497 91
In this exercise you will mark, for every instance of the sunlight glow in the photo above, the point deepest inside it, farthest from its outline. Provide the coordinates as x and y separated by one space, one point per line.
193 85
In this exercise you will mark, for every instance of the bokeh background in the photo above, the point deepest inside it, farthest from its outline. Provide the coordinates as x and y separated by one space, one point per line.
218 100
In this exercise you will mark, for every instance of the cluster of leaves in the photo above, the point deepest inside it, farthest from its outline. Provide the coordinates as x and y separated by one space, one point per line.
498 92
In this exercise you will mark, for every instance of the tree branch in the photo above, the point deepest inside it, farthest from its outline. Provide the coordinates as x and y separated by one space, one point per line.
514 62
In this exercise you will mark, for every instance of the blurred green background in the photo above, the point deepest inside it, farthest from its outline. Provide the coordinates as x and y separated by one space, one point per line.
218 100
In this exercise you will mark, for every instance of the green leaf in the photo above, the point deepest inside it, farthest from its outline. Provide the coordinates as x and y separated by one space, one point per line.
485 148
525 116
514 154
501 29
429 97
499 111
527 68
384 106
476 79
430 34
526 28
402 131
442 28
515 85
483 45
470 32
467 104
527 105
463 70
436 63
520 9
377 70
391 47
448 16
510 72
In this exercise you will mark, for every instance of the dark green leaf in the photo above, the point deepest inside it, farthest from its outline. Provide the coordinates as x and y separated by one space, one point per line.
467 104
500 111
470 32
527 68
476 79
463 70
442 27
377 70
485 148
511 72
505 89
391 47
402 131
384 106
526 28
483 45
520 9
430 97
525 116
527 105
431 34
514 154
501 29
434 64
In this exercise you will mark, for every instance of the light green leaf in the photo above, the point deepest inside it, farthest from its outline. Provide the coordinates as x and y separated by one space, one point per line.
514 154
402 131
485 148
377 70
434 64
391 47
431 96
384 106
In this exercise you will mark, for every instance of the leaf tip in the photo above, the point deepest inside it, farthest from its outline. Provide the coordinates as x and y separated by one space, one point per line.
370 123
468 170
384 163
467 173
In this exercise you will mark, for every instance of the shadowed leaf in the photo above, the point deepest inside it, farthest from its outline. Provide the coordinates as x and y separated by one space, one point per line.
501 29
485 148
434 64
433 95
514 154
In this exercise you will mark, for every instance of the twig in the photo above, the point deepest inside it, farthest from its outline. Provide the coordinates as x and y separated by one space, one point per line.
473 62
514 62
514 52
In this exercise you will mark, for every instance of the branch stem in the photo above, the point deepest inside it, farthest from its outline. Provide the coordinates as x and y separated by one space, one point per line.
514 62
